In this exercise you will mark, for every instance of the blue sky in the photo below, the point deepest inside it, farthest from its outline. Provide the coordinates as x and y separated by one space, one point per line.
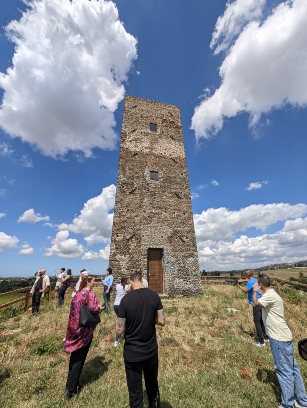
238 72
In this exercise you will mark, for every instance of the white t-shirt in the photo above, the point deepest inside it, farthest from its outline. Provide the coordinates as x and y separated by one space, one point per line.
144 283
59 280
77 287
273 316
120 293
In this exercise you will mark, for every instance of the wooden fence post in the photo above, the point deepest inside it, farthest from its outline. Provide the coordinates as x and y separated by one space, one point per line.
278 287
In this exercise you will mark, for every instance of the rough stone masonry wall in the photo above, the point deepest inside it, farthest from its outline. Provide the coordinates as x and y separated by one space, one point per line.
154 213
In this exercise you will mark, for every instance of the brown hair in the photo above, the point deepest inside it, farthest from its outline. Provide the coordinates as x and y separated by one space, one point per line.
68 272
136 276
265 280
85 280
123 281
249 272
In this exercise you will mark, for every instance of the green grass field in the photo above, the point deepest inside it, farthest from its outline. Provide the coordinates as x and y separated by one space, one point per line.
286 273
207 357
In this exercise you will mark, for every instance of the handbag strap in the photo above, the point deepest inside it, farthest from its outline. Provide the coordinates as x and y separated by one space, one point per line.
86 297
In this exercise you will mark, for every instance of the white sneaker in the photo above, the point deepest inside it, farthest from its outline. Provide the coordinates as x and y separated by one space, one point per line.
297 405
258 344
116 343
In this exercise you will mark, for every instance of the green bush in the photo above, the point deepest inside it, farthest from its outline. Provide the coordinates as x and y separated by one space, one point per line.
48 344
292 296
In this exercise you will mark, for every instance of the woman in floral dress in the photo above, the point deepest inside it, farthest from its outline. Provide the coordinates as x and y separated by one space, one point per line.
78 338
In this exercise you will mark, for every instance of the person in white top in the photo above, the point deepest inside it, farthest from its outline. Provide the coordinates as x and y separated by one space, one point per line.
121 290
58 282
292 386
144 281
84 272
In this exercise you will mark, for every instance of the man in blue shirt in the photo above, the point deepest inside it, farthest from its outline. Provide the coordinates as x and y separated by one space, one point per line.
257 313
107 287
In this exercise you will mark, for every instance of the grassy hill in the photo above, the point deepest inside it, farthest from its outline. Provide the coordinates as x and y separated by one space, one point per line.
207 357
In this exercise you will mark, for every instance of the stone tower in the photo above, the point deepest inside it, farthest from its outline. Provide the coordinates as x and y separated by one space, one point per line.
153 222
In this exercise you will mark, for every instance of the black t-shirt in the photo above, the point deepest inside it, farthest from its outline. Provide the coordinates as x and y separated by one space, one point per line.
39 284
139 308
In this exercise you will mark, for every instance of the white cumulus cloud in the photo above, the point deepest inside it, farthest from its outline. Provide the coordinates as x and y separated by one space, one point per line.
26 250
94 256
215 183
66 80
7 241
5 149
264 69
216 224
2 215
254 186
32 217
94 220
220 248
194 195
235 17
26 161
64 247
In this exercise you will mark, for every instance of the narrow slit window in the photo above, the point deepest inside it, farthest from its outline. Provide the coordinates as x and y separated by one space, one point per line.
153 127
154 175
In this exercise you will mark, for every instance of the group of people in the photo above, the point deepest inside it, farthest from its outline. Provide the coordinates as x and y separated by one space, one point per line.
138 310
42 286
271 326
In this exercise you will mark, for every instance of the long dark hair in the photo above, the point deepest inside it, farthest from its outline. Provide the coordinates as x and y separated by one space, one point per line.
123 281
69 272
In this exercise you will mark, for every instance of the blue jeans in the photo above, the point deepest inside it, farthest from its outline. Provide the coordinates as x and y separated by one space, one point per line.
288 374
106 298
62 294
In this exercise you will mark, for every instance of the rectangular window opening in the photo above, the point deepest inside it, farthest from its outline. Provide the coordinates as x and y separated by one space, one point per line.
153 127
154 175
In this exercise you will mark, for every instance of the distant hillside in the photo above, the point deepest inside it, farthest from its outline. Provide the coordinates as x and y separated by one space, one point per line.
284 265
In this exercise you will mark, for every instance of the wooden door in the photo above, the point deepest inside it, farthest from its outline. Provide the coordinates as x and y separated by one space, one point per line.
155 271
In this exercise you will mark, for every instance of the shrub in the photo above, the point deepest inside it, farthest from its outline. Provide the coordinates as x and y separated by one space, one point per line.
47 344
292 296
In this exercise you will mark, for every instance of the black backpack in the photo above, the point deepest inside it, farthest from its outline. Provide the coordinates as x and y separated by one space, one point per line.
302 348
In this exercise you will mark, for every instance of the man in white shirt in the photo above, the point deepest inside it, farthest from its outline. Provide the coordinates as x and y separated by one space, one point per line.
281 342
40 287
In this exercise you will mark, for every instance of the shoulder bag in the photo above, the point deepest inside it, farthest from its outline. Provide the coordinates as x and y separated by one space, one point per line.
87 318
302 348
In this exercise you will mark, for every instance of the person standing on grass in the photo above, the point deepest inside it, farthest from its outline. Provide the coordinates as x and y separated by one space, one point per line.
40 287
144 281
58 283
78 338
107 287
282 347
139 311
65 283
257 315
84 272
121 289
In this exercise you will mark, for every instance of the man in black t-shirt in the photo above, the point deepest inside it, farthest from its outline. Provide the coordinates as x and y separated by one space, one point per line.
139 311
